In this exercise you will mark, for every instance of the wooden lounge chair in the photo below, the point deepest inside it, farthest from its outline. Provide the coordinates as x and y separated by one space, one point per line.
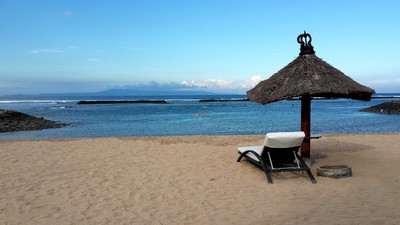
277 154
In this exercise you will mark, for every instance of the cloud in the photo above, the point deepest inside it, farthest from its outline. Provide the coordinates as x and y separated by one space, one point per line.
225 85
384 85
210 83
34 85
155 85
394 81
52 50
69 14
254 80
45 50
218 85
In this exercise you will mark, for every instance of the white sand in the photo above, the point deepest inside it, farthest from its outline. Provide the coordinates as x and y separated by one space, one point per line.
194 180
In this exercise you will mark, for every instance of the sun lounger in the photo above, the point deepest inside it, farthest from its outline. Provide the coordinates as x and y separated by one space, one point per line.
279 153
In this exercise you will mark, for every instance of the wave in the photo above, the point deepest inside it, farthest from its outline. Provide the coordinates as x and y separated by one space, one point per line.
35 101
386 95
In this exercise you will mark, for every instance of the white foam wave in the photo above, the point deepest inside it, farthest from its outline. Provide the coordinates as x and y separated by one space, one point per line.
35 101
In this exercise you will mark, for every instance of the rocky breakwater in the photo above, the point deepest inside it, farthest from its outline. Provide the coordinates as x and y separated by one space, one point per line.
17 121
91 102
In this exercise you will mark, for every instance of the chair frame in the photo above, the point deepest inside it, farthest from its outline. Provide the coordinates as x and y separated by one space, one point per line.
278 160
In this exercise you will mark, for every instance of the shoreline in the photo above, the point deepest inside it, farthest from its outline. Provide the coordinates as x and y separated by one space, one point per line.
182 136
194 180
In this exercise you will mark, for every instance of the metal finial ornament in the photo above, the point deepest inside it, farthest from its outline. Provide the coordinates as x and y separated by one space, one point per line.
305 44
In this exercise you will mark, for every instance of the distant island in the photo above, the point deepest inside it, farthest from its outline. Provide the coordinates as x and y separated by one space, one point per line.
122 102
16 121
392 107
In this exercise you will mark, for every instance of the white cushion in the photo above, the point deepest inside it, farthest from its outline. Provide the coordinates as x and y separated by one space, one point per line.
276 140
284 139
257 149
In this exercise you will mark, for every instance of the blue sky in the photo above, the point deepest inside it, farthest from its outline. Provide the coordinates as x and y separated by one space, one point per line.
61 46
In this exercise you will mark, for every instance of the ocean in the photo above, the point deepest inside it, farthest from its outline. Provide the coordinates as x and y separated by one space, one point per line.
185 115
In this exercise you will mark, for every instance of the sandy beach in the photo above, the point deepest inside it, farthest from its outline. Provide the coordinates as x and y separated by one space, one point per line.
194 180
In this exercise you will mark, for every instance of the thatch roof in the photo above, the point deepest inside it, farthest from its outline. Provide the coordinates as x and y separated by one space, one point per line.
308 75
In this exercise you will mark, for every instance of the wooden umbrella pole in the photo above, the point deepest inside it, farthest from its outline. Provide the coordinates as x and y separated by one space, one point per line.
305 125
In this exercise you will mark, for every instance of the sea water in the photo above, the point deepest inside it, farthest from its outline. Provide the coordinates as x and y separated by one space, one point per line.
185 115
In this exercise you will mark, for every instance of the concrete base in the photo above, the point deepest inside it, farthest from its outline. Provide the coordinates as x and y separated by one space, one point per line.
339 171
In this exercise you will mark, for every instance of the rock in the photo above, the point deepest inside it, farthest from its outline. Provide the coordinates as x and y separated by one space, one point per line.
122 102
16 121
392 107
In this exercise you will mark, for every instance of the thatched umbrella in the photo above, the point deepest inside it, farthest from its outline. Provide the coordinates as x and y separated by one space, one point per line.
307 76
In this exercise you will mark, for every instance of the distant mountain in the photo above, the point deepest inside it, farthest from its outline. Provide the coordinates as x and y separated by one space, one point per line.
139 92
125 92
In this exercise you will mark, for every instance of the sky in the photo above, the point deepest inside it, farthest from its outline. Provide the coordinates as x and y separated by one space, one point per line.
226 46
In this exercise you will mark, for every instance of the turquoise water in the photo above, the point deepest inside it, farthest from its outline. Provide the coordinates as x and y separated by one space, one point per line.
178 117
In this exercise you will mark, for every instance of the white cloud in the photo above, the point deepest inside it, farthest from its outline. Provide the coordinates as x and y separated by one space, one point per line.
254 80
224 85
385 85
384 82
45 50
210 83
52 50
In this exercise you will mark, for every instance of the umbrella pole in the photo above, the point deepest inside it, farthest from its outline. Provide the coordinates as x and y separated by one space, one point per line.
305 125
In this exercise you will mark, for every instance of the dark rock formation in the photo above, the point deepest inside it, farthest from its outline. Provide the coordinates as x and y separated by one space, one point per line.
123 102
17 121
392 107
